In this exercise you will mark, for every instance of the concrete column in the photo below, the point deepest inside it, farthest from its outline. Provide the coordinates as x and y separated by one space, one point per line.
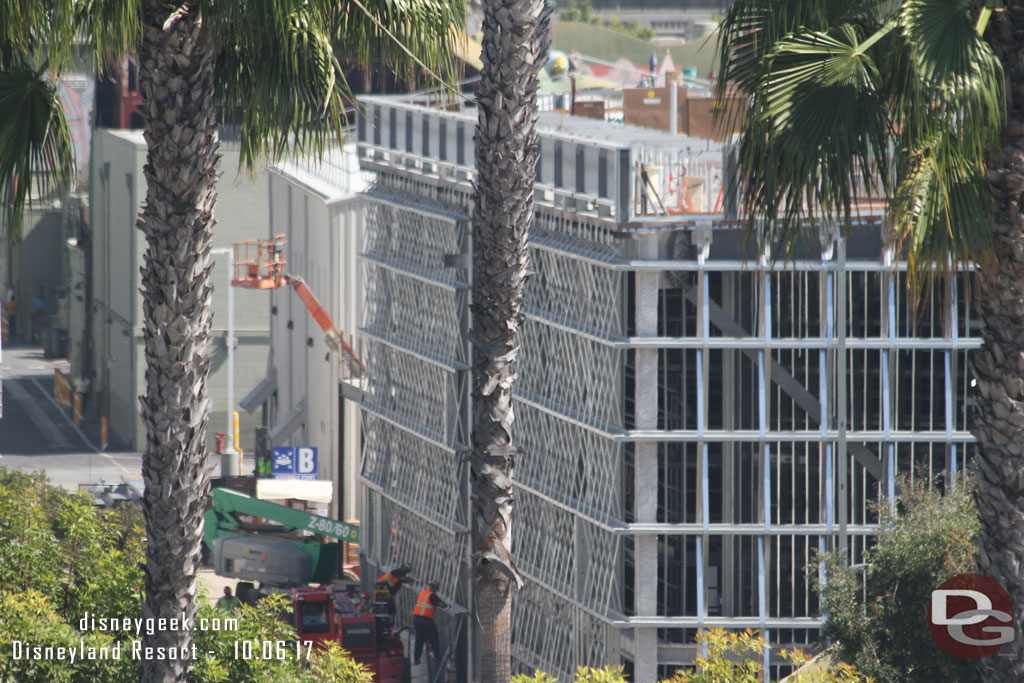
645 480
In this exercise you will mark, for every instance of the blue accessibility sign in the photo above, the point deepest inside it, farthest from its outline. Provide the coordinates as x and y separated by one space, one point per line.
295 462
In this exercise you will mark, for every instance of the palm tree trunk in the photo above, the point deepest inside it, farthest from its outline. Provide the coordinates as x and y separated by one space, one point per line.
176 79
999 364
514 46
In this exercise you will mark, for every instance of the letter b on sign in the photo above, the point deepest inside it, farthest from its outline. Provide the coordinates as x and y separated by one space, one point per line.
305 461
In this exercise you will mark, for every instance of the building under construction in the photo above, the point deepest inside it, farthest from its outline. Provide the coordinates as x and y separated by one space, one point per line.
694 425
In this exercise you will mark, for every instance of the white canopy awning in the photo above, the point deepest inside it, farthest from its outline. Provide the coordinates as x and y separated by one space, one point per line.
315 491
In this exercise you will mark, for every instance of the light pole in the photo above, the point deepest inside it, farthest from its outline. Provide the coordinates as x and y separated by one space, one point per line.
229 458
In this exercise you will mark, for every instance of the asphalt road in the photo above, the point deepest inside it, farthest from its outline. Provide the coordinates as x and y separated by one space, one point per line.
36 434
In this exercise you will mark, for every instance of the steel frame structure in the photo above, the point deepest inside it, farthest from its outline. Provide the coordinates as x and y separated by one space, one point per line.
694 426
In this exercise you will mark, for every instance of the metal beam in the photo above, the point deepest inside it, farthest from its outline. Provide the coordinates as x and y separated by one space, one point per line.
787 383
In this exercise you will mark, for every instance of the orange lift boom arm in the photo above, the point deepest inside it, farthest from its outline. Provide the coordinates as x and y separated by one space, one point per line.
323 319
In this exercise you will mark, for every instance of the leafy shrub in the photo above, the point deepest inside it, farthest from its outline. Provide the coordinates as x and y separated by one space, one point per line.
30 621
876 612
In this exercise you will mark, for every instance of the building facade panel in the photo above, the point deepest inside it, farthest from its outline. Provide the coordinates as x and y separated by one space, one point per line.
414 399
694 426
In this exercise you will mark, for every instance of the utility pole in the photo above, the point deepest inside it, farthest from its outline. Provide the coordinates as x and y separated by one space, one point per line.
229 458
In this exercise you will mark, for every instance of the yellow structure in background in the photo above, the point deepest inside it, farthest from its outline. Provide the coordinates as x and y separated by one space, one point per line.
62 389
238 445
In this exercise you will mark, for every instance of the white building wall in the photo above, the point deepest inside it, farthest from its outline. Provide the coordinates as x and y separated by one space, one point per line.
322 223
348 217
117 192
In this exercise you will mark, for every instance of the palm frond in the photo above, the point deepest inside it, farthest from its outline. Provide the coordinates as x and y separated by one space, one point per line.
818 137
751 29
280 64
113 28
278 67
35 141
940 210
403 36
21 22
960 75
38 29
906 92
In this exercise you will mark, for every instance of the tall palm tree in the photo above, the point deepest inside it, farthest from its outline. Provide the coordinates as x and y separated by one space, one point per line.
274 62
515 43
910 94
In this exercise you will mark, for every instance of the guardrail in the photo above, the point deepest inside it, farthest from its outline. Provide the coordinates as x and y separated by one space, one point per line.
597 168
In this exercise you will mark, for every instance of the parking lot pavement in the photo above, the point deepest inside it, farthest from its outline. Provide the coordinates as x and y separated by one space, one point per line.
36 434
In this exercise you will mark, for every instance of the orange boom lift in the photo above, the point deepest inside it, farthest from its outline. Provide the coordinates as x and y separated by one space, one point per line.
259 264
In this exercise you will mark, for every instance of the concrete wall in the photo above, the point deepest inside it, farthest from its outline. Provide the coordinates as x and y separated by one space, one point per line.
118 247
323 228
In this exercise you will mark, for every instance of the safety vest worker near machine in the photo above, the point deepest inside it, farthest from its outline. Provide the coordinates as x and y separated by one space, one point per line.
423 622
394 578
391 582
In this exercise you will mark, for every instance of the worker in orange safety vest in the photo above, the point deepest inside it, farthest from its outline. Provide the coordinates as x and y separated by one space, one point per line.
423 621
391 582
394 578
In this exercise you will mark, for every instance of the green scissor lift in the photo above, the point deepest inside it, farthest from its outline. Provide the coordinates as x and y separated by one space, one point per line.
222 522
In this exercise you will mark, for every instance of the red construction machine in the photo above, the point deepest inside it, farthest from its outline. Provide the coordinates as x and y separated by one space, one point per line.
366 635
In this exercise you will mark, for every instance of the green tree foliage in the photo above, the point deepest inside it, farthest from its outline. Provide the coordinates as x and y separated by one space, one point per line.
30 619
876 610
63 558
583 675
731 656
58 544
735 657
266 626
581 11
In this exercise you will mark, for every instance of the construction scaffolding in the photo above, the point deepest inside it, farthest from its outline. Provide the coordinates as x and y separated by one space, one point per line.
694 425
